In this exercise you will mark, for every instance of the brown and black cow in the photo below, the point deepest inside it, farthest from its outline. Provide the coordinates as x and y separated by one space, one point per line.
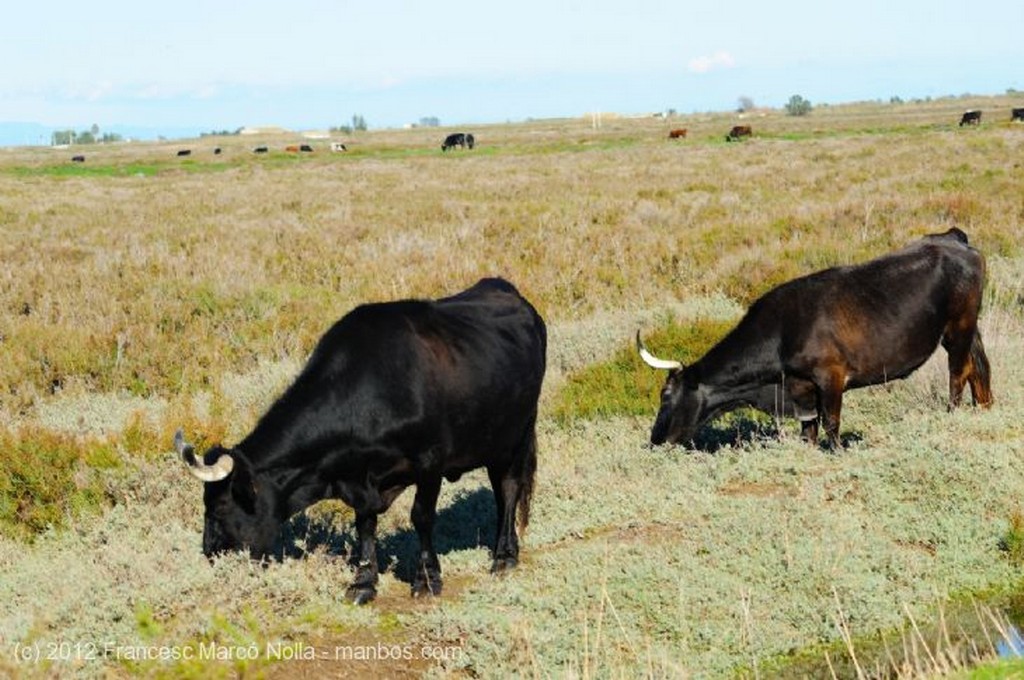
739 131
805 342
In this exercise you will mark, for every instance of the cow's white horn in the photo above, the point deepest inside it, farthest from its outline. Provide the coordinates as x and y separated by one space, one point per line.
653 361
213 473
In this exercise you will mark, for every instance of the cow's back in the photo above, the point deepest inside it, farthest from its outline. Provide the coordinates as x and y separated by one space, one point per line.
882 318
449 375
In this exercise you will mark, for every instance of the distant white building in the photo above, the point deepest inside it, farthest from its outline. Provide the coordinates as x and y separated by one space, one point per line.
263 130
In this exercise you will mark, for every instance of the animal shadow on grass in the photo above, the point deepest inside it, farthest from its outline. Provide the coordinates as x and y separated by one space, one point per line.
469 522
742 428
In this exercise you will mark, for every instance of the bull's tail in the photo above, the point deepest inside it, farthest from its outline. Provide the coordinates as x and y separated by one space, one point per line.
980 377
527 473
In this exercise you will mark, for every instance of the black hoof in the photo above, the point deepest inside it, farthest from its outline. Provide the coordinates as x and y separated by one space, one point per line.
360 594
504 565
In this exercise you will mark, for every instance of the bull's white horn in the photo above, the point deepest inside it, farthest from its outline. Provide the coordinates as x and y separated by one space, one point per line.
213 473
653 361
199 469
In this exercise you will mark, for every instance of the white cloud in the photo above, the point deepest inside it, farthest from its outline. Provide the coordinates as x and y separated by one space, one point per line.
718 60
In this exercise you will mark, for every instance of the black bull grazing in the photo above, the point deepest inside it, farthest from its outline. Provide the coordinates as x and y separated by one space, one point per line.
802 344
395 394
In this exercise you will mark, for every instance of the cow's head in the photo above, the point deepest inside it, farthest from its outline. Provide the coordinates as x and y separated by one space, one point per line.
237 515
683 402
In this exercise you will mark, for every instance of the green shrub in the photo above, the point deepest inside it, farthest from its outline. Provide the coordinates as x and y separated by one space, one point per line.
46 477
1012 542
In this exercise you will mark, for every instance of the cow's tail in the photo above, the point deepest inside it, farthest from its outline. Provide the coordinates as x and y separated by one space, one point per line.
981 377
527 473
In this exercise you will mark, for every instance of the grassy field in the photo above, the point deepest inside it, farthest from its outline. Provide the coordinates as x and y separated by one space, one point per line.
141 292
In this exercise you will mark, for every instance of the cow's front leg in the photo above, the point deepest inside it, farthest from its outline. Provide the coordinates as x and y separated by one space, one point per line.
427 580
364 585
809 430
830 400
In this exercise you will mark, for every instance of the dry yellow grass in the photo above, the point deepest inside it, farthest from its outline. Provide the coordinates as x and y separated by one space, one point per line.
140 292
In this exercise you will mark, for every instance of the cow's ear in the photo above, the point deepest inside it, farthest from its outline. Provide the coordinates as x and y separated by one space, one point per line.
243 484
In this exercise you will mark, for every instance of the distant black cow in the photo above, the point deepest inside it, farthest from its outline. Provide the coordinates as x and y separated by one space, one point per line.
216 151
461 139
184 152
259 149
305 148
737 132
805 342
78 159
972 117
1017 114
395 394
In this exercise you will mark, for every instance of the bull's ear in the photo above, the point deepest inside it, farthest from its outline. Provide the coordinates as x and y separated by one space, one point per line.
243 484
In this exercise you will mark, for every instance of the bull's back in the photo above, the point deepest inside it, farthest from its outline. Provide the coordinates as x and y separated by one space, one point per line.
881 320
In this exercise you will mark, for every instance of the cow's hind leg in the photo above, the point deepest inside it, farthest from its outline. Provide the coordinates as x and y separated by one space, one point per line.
513 488
364 585
979 377
424 511
967 364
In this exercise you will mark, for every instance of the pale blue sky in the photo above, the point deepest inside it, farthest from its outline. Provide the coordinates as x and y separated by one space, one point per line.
304 64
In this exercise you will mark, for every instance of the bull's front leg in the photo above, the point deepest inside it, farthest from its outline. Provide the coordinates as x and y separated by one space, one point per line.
427 580
830 405
364 585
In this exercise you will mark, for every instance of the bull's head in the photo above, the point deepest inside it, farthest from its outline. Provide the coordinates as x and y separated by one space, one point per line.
236 516
683 403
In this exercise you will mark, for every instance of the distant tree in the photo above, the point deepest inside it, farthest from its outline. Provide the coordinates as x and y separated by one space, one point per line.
430 121
95 130
895 99
358 122
798 106
85 137
745 104
110 137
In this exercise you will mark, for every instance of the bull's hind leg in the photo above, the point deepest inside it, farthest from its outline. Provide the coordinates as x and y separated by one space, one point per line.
513 486
968 364
424 512
979 377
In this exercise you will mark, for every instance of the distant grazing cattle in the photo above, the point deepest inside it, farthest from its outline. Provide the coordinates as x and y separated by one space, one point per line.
461 139
216 151
395 394
78 159
305 148
1017 114
184 152
259 149
338 146
737 132
677 134
805 342
291 148
972 117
